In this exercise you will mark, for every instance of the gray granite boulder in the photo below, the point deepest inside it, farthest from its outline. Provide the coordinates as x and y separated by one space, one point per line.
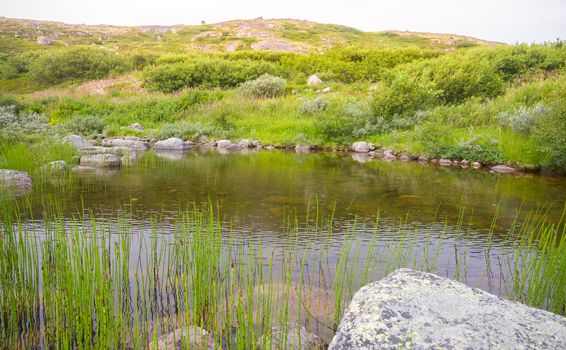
101 160
15 181
79 142
133 144
290 338
136 127
303 148
224 144
185 338
361 147
172 143
417 310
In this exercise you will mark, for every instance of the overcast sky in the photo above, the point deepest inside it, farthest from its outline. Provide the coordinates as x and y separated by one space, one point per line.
501 20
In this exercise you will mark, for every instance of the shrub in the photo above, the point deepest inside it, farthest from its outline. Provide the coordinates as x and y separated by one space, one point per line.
550 133
189 131
77 63
524 119
87 126
314 106
12 121
204 72
265 86
405 95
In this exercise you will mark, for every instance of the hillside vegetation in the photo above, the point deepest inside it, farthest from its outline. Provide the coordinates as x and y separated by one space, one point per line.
419 94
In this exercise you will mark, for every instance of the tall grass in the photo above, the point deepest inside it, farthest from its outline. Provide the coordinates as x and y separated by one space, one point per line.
82 282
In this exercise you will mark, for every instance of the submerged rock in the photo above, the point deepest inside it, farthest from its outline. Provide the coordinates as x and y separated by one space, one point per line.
290 338
101 160
361 147
15 181
418 310
79 142
503 169
185 338
172 143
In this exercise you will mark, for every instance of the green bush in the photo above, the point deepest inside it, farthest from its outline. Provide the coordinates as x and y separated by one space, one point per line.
206 72
314 106
78 63
87 126
550 133
266 86
406 95
524 119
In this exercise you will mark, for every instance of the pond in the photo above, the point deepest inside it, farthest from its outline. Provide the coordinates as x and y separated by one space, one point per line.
334 213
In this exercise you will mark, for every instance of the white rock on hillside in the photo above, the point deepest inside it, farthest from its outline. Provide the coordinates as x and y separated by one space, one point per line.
314 80
418 310
79 142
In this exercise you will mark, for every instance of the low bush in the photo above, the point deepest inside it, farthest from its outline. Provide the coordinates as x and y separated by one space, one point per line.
87 126
524 119
78 63
550 133
13 121
265 86
314 106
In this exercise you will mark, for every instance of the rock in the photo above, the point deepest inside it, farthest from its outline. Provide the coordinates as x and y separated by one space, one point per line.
136 127
297 339
445 162
503 169
405 158
171 154
79 142
418 310
203 139
303 148
326 89
361 147
245 143
190 338
389 157
423 159
388 152
56 167
269 148
434 160
224 144
15 181
101 160
132 144
314 80
465 163
476 165
43 40
172 143
256 144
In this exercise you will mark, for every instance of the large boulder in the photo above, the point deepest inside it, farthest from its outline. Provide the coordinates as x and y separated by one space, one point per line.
291 338
15 181
361 147
101 160
132 144
43 40
172 143
418 310
224 144
79 142
185 338
136 127
314 80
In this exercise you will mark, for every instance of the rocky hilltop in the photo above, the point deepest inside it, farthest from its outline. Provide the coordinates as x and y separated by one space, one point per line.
258 34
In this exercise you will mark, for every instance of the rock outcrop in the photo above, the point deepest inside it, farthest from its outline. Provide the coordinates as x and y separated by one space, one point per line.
417 310
314 80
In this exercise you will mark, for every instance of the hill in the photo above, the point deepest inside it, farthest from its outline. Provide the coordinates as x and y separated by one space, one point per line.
289 35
